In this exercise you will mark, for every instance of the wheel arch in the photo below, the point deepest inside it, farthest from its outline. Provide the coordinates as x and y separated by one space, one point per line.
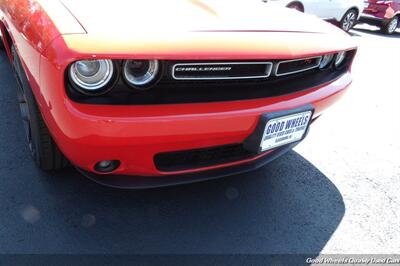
397 14
296 2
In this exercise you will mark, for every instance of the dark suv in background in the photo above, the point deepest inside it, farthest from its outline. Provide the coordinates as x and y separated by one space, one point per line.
384 14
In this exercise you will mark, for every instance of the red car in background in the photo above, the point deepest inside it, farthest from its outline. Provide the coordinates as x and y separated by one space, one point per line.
174 92
385 14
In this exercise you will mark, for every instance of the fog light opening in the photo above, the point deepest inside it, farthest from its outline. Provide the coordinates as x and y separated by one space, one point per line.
107 166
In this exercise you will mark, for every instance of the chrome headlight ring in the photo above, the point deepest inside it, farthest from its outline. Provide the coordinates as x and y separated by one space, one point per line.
92 77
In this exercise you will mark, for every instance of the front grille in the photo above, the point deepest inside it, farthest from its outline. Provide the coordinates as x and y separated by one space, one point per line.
193 159
193 86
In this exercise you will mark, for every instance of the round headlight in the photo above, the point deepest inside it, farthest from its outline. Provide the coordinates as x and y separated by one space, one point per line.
91 76
140 73
340 57
326 60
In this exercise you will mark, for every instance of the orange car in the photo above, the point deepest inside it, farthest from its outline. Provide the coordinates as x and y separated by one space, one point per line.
152 93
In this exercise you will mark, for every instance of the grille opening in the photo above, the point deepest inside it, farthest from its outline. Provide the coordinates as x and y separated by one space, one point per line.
221 71
297 66
192 159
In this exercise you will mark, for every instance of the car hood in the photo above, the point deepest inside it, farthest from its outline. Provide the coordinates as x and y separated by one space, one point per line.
194 29
153 16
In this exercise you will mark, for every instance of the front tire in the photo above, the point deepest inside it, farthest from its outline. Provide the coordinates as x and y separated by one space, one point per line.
390 26
43 149
349 20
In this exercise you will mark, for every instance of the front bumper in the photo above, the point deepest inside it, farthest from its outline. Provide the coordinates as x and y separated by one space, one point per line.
140 182
134 135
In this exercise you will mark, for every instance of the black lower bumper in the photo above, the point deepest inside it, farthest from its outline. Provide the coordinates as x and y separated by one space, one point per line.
142 182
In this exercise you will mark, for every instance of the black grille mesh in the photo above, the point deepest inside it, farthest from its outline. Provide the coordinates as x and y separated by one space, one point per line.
192 159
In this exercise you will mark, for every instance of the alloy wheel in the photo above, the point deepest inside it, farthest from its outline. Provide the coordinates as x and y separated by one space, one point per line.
349 21
23 103
393 25
25 116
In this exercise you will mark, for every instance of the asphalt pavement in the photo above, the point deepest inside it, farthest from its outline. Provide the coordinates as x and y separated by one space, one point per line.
337 192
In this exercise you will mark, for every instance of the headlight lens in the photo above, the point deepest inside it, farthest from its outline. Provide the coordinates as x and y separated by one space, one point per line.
140 73
91 76
326 60
340 57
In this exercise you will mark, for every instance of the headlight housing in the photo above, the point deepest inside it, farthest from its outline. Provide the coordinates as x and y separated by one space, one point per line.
340 58
326 61
141 74
91 76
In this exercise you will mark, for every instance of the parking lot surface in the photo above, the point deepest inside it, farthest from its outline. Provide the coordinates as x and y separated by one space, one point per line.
337 192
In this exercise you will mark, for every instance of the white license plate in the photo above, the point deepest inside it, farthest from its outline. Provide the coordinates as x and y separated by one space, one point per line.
285 130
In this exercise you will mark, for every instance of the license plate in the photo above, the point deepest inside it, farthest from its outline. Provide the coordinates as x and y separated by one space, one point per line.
284 130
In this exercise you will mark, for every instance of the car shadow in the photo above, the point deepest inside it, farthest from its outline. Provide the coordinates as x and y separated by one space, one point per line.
287 207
